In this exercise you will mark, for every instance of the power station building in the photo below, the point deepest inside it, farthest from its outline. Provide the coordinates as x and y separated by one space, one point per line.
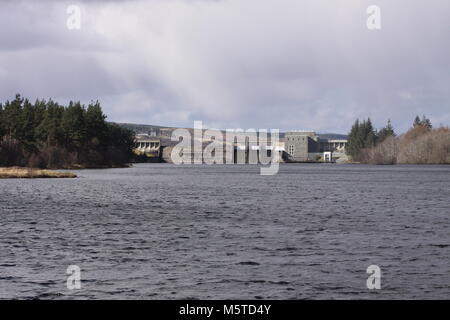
307 146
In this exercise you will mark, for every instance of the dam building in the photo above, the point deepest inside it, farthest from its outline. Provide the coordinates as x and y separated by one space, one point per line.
307 146
149 146
298 146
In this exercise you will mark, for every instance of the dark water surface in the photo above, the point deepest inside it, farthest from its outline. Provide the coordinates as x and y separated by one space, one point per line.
158 231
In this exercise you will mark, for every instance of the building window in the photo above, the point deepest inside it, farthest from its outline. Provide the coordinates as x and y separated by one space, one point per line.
291 150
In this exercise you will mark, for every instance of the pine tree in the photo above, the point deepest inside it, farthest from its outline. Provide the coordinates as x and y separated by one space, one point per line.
11 112
96 129
417 122
26 127
426 122
369 135
2 125
362 135
49 131
352 148
73 126
385 132
48 134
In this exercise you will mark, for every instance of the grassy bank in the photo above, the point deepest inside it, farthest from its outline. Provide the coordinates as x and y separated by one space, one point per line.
18 172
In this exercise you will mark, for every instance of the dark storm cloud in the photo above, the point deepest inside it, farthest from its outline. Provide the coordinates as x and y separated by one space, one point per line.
267 63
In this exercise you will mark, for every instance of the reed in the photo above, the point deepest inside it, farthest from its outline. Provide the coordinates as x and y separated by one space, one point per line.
24 173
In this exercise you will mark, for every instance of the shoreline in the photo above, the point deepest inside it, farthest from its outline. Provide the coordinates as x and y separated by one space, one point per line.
32 173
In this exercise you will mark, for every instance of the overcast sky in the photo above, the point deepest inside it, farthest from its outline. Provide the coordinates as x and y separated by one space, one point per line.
288 64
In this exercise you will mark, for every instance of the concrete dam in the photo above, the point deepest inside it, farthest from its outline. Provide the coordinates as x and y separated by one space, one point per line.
293 146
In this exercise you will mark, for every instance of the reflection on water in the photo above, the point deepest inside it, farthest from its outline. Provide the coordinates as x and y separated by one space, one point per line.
158 231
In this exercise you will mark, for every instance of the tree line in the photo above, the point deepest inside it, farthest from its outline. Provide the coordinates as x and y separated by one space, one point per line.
47 134
422 144
363 135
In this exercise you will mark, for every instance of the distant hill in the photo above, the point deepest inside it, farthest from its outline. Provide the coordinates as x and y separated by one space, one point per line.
333 136
140 128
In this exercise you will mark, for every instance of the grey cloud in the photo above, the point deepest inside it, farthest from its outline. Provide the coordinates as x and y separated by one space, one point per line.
269 63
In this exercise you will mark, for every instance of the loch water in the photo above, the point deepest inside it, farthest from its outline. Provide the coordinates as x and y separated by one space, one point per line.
160 231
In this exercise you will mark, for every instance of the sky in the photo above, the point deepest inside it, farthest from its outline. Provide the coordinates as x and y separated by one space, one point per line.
263 64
